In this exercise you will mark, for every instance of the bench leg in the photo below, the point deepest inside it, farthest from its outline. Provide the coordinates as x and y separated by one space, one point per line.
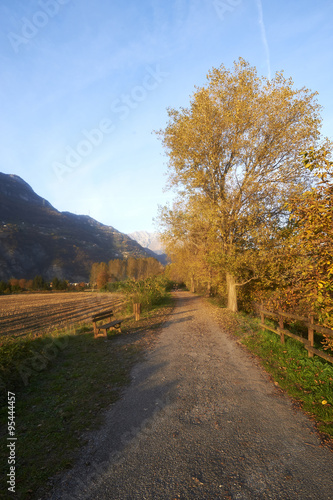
98 334
97 330
118 328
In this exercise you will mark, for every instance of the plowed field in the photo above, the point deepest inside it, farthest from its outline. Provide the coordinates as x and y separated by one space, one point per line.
40 312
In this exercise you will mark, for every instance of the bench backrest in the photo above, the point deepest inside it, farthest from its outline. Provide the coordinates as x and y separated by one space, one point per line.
102 315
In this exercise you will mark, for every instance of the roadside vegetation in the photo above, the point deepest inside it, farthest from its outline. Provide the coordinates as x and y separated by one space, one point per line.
149 292
64 380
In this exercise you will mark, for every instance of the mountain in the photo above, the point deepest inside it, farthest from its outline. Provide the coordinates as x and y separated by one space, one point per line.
35 238
150 241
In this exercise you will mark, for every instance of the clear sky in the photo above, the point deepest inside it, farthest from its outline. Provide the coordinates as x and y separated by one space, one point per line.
85 82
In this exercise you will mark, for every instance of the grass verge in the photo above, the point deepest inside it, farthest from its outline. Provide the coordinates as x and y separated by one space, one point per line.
309 381
62 382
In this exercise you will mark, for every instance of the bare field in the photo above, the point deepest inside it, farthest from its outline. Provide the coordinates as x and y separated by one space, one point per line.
39 312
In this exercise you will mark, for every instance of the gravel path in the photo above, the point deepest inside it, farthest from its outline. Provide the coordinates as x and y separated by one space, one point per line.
201 420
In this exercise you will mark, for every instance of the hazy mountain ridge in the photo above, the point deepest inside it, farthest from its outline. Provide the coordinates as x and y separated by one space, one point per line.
148 240
35 238
151 242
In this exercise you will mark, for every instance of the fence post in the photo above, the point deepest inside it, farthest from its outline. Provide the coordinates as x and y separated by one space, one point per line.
281 325
262 315
311 333
137 311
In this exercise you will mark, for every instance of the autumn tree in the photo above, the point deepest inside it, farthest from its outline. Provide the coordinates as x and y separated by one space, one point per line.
94 273
29 284
188 240
236 147
103 275
120 270
14 284
299 271
117 269
22 283
152 267
312 241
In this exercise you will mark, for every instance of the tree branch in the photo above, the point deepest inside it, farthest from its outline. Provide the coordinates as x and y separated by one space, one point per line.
248 281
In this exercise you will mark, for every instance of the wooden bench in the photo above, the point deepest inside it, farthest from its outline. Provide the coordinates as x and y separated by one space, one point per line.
101 329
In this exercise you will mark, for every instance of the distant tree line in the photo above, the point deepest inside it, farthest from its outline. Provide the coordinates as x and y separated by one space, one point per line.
37 284
120 270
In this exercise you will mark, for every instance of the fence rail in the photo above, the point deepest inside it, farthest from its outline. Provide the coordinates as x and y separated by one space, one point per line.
308 322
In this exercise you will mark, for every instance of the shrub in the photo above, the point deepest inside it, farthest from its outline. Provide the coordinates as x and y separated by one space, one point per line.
149 292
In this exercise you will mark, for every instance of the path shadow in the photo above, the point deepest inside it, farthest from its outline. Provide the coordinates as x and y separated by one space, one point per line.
180 320
126 420
183 312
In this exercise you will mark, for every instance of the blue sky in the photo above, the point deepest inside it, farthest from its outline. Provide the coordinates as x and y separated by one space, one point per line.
84 84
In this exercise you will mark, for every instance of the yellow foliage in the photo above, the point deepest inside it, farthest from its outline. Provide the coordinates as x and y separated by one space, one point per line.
234 163
312 214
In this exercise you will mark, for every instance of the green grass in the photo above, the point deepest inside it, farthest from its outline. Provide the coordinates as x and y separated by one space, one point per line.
61 385
307 380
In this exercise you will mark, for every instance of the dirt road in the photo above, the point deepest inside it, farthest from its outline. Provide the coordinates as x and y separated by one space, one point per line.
201 420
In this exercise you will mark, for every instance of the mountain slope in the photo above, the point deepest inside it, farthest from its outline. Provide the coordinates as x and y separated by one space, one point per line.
35 238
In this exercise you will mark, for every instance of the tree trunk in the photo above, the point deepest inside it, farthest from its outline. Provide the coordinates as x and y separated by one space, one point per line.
209 284
232 293
192 284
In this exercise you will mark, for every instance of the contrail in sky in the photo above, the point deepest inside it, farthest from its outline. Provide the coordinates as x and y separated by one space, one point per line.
263 36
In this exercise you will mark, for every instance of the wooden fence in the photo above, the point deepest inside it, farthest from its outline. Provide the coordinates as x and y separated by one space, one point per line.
308 342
